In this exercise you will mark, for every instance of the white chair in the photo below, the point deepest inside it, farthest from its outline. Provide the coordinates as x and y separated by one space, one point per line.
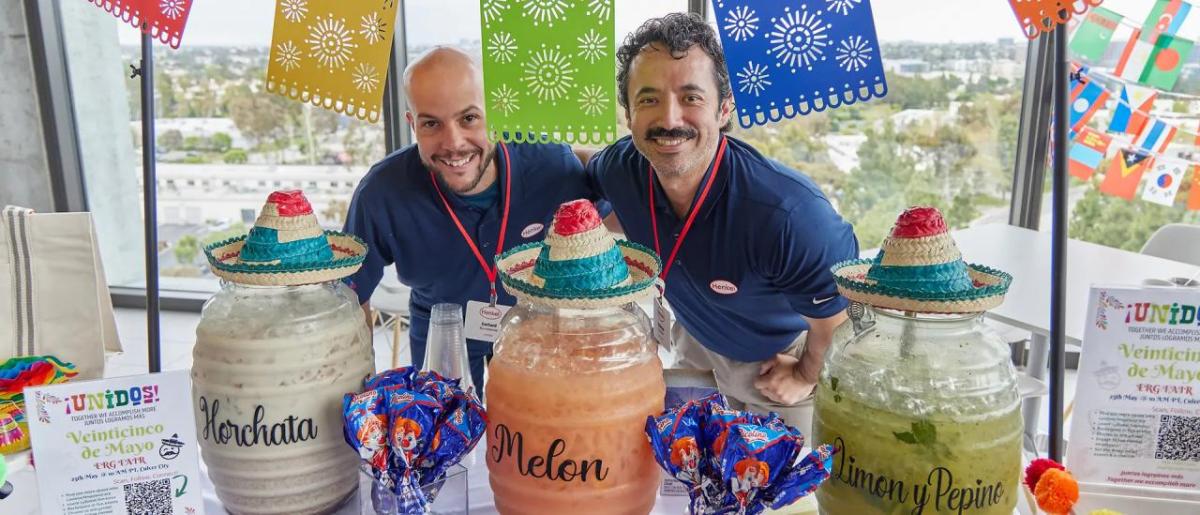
389 304
1178 242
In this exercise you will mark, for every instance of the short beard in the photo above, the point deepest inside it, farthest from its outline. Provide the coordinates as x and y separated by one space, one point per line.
483 164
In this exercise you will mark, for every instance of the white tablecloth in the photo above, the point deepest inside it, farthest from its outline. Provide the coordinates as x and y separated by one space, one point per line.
24 500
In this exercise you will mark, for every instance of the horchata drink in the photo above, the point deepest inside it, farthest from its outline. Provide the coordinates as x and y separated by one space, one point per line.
574 375
917 395
275 351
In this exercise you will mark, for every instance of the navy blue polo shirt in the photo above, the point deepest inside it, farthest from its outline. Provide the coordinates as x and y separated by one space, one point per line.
757 257
397 211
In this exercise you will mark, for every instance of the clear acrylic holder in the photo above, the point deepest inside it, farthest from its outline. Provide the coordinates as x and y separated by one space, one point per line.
449 496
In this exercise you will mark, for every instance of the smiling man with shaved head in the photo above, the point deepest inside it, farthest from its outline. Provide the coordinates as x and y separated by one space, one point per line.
439 210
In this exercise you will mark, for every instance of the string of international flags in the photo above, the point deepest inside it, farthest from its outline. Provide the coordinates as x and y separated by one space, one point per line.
1152 57
1145 139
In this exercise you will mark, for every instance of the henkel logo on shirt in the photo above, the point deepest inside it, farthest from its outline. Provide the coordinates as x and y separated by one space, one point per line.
491 312
723 287
532 230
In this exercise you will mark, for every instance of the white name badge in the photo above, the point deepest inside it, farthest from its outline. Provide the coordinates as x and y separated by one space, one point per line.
483 320
662 323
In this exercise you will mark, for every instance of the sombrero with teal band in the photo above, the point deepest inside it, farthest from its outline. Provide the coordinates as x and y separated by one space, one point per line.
920 269
286 247
579 264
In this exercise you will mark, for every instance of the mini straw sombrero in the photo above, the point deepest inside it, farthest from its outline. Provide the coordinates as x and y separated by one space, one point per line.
920 269
286 247
579 264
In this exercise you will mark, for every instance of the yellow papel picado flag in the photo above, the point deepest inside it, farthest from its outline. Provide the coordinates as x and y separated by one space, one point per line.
333 53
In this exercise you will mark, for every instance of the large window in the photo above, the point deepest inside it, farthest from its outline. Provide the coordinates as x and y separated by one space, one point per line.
223 142
1114 221
945 134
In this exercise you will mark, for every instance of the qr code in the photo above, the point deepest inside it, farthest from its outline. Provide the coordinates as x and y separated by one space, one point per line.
1177 437
149 498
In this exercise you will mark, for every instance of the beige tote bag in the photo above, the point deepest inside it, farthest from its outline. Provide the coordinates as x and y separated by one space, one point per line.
54 299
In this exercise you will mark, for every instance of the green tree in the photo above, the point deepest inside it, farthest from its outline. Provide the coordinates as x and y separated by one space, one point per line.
170 139
799 143
220 142
235 156
1120 223
875 192
271 121
918 93
187 248
194 143
963 209
167 96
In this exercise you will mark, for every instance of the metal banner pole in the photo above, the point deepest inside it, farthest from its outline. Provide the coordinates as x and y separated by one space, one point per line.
150 203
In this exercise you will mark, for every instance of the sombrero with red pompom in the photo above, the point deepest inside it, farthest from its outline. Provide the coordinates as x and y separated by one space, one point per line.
920 269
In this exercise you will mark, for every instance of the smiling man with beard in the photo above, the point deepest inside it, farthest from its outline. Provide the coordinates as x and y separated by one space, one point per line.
747 243
441 209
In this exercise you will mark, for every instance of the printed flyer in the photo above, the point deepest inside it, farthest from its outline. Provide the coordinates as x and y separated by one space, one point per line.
120 445
1137 412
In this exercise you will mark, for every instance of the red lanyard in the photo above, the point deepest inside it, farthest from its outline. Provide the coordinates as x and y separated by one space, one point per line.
687 226
490 271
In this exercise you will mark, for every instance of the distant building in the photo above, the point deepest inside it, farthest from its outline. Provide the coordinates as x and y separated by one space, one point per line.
907 117
843 150
198 127
195 194
906 66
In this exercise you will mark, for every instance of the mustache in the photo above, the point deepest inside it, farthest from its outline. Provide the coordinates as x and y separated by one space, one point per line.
675 133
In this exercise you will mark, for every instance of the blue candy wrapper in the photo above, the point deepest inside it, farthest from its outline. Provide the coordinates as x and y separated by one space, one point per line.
410 427
412 419
366 428
754 458
457 433
676 441
733 461
800 479
399 376
718 420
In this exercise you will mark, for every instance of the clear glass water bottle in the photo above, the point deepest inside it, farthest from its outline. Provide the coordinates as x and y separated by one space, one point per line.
574 375
270 367
917 395
569 392
924 412
446 347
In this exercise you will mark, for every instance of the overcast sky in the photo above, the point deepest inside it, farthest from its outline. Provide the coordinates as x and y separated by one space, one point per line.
248 22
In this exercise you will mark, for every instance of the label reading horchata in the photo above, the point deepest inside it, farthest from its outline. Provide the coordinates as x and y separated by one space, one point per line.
259 430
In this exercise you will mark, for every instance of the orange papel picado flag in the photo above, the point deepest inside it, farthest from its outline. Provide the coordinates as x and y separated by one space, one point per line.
333 53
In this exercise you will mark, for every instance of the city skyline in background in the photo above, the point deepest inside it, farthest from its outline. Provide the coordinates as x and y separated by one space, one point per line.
211 23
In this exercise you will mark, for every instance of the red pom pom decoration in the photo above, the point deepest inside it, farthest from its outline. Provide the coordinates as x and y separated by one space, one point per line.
1035 469
917 222
290 202
575 217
